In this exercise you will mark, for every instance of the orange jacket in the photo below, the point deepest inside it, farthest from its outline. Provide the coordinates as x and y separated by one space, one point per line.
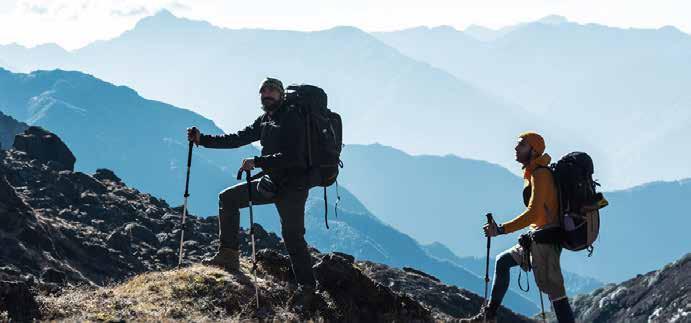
543 205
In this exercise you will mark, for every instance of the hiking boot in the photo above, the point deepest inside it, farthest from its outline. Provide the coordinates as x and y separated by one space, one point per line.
488 313
225 258
303 298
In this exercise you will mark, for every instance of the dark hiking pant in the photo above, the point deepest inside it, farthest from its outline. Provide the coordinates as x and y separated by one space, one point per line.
290 204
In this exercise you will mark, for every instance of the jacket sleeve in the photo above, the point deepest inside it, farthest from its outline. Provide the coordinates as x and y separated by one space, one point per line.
292 145
540 182
243 137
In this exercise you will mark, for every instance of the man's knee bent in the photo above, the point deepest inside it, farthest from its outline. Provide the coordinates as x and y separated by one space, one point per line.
504 261
229 198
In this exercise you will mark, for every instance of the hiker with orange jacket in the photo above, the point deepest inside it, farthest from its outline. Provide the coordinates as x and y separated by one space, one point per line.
542 207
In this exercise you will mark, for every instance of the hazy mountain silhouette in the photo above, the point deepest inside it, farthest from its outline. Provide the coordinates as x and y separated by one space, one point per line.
384 96
619 93
646 223
9 127
116 128
433 198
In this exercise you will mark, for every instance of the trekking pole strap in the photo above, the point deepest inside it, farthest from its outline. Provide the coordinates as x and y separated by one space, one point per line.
527 281
326 210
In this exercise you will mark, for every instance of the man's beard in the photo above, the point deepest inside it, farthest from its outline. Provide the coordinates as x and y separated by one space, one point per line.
523 158
270 105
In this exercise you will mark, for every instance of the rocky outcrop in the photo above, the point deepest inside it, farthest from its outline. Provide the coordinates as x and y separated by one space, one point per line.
449 302
658 296
67 234
374 302
46 147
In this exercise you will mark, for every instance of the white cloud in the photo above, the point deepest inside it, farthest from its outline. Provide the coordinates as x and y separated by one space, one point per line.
74 23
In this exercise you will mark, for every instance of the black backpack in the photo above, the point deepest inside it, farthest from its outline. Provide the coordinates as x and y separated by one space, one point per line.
579 204
324 136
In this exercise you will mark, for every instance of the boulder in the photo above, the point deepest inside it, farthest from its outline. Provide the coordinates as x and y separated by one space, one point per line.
139 233
103 174
373 302
46 147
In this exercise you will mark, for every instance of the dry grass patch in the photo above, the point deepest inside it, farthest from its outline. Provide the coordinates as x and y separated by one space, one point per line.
197 293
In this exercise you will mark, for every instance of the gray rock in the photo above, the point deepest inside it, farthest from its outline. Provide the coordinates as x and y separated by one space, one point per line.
139 233
103 174
45 146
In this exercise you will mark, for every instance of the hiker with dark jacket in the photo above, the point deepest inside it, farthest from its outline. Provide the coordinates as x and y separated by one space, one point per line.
281 132
542 205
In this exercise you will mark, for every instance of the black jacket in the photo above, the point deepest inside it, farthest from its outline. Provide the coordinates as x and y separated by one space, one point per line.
282 137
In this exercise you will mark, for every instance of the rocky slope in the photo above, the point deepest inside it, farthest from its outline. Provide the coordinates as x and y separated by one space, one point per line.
658 296
78 246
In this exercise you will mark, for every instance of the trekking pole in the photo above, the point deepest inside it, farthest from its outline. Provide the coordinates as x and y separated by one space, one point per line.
490 222
542 304
248 175
184 207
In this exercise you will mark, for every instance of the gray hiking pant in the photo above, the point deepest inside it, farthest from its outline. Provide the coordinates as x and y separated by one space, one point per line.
290 204
545 265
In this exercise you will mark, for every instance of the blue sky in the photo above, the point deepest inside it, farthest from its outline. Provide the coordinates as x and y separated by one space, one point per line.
74 23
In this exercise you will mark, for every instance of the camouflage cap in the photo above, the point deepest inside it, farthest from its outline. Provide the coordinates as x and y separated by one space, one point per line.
274 84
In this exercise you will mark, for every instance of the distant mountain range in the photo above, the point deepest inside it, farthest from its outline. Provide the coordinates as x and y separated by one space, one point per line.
435 198
618 93
114 127
426 90
383 95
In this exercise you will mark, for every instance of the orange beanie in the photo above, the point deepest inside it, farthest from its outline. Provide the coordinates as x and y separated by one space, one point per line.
535 141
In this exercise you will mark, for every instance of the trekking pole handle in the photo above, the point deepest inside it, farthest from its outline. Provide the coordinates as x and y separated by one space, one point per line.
189 154
490 220
248 173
